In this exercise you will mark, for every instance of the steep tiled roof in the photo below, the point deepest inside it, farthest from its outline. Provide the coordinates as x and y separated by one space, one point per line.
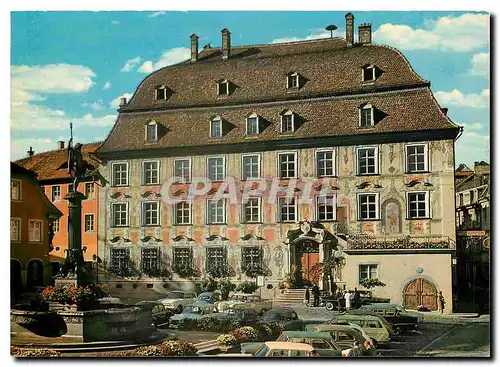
404 111
259 73
52 165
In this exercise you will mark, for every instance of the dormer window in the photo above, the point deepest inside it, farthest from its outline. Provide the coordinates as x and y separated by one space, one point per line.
370 73
152 132
253 122
293 81
288 122
366 116
223 88
161 93
216 127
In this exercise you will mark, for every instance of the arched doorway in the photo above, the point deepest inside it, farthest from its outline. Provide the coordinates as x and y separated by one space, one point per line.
420 291
35 273
16 284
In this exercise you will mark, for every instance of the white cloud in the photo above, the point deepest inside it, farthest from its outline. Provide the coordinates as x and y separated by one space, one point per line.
457 98
318 33
157 14
94 106
19 147
115 22
130 64
473 126
115 103
471 147
170 57
480 65
106 85
464 33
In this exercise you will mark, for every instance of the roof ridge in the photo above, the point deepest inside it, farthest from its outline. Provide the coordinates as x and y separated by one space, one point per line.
314 40
55 150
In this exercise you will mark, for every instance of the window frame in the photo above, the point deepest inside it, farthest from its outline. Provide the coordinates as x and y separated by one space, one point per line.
217 119
161 87
287 113
259 256
208 208
226 83
426 158
19 191
259 175
177 257
358 206
87 185
334 198
126 251
29 230
147 137
127 165
210 260
90 215
58 229
334 161
207 175
257 120
157 249
19 229
373 69
289 80
190 165
259 208
57 197
143 172
113 215
369 266
377 160
280 208
144 216
296 163
367 106
427 201
176 221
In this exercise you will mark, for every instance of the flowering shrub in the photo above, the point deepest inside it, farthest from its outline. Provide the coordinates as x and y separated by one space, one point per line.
207 285
178 348
247 287
268 329
84 296
148 351
25 352
227 339
245 333
225 286
207 324
185 270
188 324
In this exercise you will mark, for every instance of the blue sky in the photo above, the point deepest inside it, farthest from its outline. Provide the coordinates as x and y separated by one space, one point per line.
75 65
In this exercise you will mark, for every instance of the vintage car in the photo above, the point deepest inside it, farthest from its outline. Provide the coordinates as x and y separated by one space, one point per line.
321 342
373 326
336 302
286 317
193 311
244 316
344 335
209 297
177 300
416 314
245 300
400 321
283 349
161 315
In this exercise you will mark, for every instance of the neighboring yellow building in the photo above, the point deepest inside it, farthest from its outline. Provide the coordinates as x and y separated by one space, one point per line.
357 128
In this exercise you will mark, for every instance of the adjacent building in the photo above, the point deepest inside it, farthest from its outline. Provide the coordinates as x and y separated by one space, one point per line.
51 168
32 217
350 121
473 238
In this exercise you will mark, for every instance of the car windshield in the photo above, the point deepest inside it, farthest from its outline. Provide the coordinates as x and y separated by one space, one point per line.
205 297
273 315
262 351
238 297
175 295
192 309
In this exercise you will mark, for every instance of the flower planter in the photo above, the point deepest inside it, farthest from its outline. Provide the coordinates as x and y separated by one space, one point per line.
56 306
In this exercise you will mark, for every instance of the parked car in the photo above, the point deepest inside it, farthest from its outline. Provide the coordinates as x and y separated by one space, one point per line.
177 300
375 326
286 317
283 349
246 301
400 321
336 302
244 316
416 314
193 311
343 335
321 342
161 315
209 297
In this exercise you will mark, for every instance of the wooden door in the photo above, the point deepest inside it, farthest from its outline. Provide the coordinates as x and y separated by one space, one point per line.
420 292
308 261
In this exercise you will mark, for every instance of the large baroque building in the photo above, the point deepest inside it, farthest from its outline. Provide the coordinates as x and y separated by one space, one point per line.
351 121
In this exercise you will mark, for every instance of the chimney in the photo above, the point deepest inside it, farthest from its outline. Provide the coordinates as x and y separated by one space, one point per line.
194 47
31 152
349 29
365 33
60 144
445 111
226 44
123 101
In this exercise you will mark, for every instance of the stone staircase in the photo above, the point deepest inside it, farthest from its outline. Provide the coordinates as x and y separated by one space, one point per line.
290 298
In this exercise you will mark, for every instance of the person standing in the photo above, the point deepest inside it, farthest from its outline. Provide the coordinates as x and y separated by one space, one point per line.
356 299
308 296
315 292
347 297
441 302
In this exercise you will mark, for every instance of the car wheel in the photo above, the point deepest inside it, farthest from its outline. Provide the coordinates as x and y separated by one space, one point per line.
329 306
178 309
